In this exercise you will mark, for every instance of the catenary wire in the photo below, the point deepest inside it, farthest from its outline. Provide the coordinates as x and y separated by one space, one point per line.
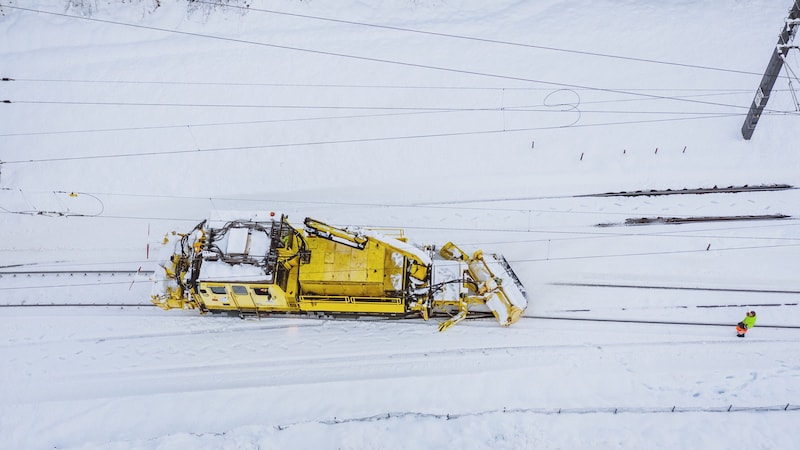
606 55
571 234
442 205
705 91
513 260
420 109
314 51
364 24
365 58
215 124
477 39
354 141
337 117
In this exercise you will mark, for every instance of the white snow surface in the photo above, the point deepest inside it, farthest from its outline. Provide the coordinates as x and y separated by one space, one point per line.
486 126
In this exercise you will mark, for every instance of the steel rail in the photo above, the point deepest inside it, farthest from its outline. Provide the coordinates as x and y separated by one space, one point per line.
655 322
63 272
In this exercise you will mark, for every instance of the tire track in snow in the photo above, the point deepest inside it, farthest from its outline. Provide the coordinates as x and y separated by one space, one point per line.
265 372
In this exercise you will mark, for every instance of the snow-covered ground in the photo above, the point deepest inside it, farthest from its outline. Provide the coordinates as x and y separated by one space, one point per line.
485 123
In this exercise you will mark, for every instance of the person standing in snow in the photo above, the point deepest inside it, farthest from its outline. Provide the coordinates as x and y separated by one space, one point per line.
748 322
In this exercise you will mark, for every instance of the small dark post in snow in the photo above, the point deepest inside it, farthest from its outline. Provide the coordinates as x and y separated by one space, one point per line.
532 142
684 149
771 73
709 247
656 152
581 156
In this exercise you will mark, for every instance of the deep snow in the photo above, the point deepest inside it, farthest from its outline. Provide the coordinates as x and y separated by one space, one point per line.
481 142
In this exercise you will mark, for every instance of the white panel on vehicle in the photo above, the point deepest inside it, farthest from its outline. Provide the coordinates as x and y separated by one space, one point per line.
237 241
259 243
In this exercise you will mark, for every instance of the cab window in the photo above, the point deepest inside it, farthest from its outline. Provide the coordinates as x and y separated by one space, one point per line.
239 290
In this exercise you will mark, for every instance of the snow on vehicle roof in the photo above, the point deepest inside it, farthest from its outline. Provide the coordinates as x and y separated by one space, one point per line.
222 271
405 246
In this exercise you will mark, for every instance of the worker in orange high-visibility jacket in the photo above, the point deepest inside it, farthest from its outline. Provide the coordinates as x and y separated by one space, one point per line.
748 322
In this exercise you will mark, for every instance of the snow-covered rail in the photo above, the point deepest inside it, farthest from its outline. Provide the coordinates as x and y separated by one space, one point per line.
74 288
71 273
680 288
653 322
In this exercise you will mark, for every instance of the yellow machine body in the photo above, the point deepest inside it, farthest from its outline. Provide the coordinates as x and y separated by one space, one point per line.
265 267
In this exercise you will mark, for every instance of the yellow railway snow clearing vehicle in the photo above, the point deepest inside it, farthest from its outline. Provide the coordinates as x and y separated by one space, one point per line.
263 267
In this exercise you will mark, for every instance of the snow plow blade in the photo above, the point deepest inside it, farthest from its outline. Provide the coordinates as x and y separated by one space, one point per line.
491 282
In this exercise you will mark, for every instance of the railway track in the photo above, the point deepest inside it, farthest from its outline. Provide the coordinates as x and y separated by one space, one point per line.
680 288
471 318
696 191
71 273
15 279
84 278
74 288
655 322
74 305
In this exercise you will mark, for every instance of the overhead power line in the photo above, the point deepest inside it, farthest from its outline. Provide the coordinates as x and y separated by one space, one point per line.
442 110
215 124
513 261
368 58
412 111
477 39
352 141
421 109
350 86
276 106
450 205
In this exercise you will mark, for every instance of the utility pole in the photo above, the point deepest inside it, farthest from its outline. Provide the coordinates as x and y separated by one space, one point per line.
773 69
